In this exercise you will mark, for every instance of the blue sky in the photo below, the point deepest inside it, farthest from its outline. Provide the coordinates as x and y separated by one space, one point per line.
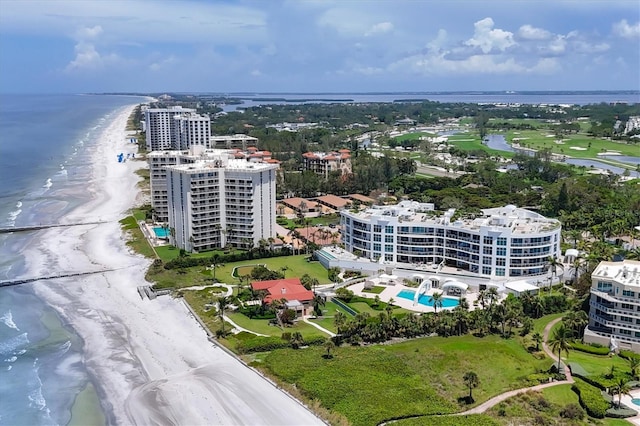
318 46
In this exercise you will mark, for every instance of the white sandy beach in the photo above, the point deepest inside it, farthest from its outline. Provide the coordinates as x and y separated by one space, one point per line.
150 361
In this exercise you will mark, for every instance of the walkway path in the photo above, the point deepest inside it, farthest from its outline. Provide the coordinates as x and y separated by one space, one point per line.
228 287
549 352
237 327
324 330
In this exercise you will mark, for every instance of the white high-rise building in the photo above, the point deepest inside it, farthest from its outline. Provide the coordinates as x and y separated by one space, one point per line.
217 201
191 129
614 314
176 128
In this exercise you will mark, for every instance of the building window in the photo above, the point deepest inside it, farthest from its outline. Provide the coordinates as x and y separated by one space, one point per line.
487 250
486 260
627 306
625 319
388 257
377 228
388 238
388 248
377 247
605 286
501 241
501 251
486 270
501 261
624 331
388 229
628 293
500 272
487 240
377 237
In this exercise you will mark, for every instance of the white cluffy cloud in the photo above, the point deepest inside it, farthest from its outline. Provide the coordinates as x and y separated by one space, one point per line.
87 56
623 29
379 28
529 32
488 39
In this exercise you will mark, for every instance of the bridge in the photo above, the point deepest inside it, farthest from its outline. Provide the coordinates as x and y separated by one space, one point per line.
8 283
9 229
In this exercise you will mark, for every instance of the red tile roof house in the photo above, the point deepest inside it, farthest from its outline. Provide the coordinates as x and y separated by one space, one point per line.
298 298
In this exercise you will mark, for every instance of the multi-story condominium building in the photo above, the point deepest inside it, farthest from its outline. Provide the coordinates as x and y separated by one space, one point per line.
323 163
232 141
502 242
614 314
176 128
159 123
218 201
191 129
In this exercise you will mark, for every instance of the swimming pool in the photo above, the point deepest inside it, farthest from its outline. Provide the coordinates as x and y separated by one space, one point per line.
636 401
160 232
425 299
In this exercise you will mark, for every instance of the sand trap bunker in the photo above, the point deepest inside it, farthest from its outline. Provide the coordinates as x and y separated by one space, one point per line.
578 148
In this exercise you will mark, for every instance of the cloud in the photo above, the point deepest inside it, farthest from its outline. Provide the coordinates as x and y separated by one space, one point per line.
488 39
623 29
255 73
87 56
158 65
379 28
529 32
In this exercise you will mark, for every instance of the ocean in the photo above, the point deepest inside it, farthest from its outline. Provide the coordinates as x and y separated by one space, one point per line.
45 147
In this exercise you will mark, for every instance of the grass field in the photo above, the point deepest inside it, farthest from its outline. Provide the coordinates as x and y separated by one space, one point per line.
591 147
421 376
463 142
328 312
136 239
296 267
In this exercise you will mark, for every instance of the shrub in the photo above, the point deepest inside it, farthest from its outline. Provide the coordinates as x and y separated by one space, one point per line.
261 344
621 413
591 399
590 349
572 411
627 354
344 294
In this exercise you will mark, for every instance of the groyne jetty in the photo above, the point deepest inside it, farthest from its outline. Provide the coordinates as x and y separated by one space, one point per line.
8 283
8 229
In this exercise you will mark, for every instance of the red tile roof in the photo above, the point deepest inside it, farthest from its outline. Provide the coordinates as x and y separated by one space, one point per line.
289 289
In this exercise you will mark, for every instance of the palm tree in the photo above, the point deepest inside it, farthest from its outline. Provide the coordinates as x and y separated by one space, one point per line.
296 340
329 345
471 381
339 320
215 263
621 388
284 269
223 302
560 342
436 300
634 364
537 337
554 264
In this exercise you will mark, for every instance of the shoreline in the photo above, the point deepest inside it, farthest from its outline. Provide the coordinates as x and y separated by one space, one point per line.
150 361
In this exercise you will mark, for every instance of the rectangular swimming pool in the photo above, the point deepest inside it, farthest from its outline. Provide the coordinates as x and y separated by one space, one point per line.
160 232
425 299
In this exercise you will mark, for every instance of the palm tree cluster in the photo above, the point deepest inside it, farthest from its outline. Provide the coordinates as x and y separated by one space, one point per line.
500 317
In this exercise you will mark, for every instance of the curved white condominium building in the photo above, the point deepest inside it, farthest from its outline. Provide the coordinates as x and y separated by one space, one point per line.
501 242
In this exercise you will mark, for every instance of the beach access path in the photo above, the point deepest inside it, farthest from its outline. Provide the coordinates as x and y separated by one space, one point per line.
150 361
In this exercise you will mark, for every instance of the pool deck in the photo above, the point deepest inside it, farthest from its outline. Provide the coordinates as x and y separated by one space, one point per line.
150 235
626 400
391 292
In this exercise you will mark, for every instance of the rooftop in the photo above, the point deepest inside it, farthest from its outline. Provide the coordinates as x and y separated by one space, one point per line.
520 221
626 272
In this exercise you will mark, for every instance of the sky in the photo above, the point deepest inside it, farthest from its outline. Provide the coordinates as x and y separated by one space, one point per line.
341 46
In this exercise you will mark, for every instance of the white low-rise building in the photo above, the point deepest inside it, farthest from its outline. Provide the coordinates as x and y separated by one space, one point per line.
501 242
614 314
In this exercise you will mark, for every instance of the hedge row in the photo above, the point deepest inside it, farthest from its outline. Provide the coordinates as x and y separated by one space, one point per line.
264 344
591 399
621 413
590 349
627 354
188 262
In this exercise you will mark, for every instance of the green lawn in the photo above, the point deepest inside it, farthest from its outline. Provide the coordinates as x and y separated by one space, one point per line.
471 142
421 376
262 326
377 289
538 139
324 220
540 323
594 364
328 312
296 267
136 239
561 395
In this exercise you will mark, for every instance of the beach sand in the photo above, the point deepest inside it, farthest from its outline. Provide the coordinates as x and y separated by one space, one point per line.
150 361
